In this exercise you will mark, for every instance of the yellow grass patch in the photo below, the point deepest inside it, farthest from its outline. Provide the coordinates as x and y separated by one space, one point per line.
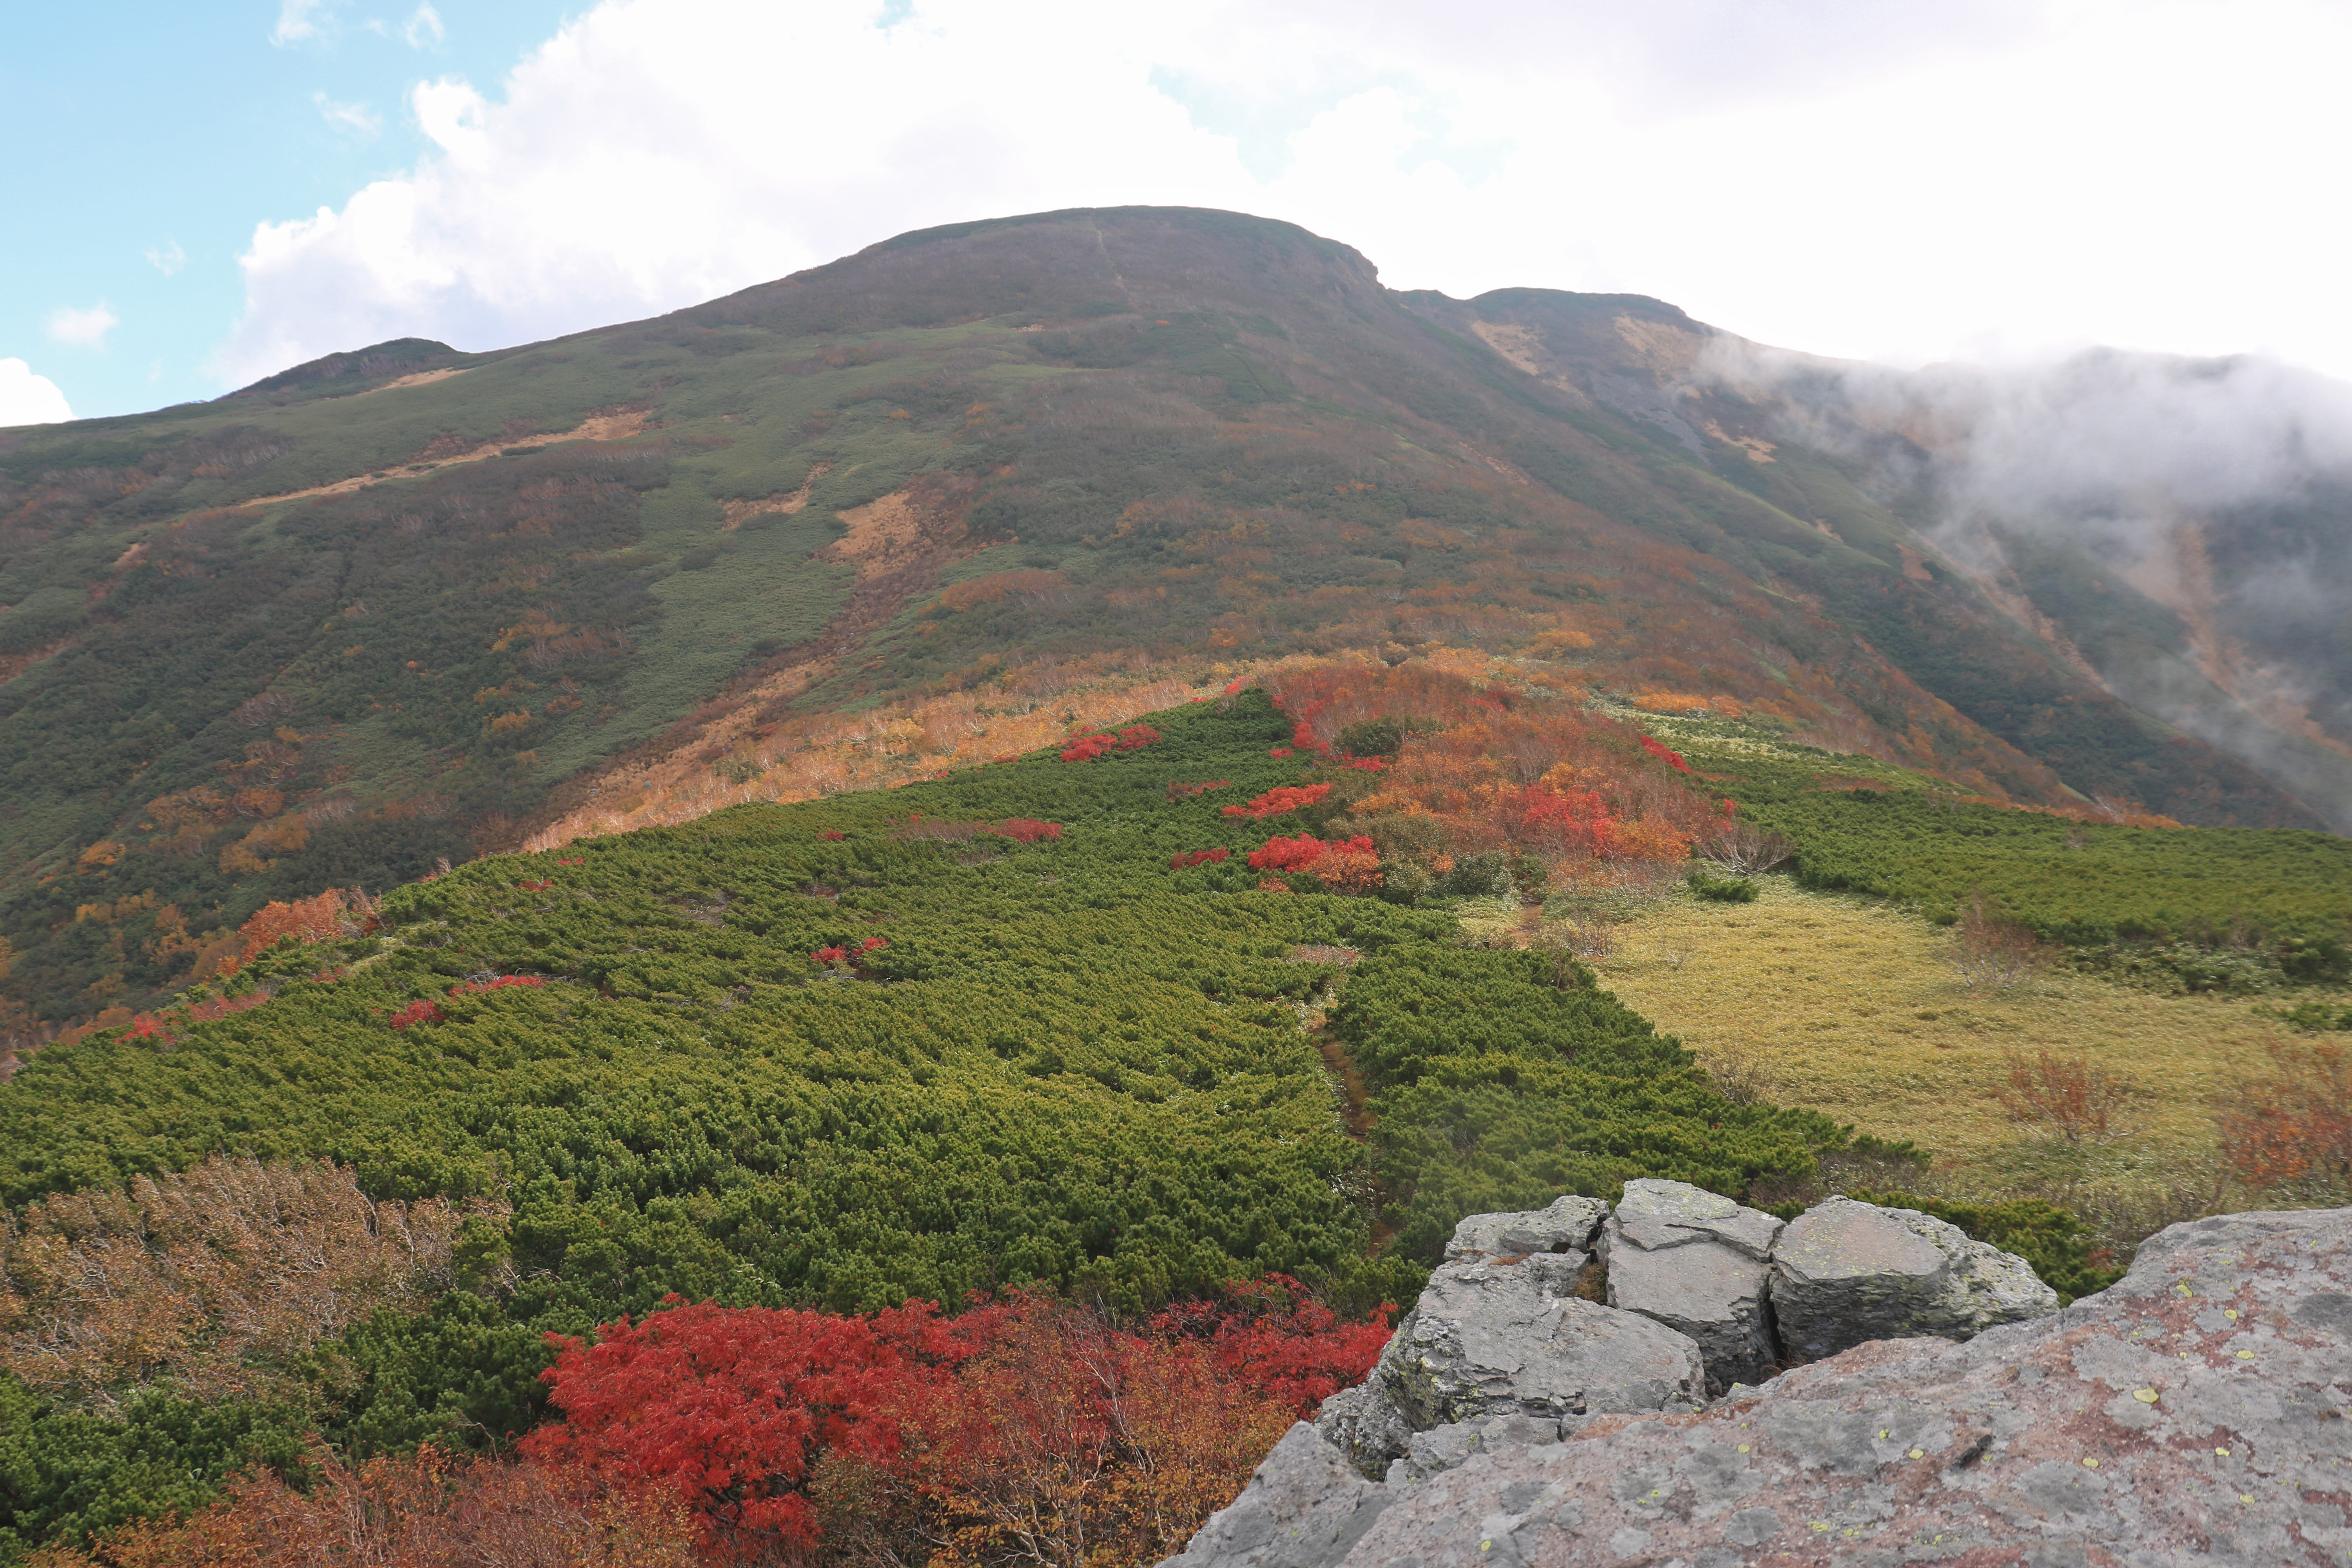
1851 1009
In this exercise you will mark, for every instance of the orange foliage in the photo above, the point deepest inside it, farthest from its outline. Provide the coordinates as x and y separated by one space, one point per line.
425 1510
330 916
2295 1126
220 1279
1503 772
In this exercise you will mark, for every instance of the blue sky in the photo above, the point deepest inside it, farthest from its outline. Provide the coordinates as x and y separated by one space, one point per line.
205 195
162 132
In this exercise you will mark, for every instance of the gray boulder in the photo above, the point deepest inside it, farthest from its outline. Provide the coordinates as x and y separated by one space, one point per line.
1698 1263
1847 1272
1363 1425
1495 1338
1303 1507
1566 1225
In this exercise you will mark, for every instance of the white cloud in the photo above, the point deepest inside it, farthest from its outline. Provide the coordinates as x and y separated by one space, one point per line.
82 329
167 258
297 20
356 117
423 28
1838 176
29 399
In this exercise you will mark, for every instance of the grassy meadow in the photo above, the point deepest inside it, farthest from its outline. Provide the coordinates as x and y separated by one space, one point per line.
1849 1007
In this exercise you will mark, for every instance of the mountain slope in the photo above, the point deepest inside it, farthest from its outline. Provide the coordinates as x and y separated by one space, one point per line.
406 605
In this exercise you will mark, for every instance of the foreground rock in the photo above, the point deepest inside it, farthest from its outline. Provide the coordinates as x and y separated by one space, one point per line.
1844 1273
1699 1264
1303 1505
1508 1336
2196 1413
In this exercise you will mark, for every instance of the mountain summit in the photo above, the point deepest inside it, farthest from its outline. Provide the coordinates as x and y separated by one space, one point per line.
403 606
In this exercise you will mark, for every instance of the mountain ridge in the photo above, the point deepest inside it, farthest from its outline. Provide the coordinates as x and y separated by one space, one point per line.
1136 445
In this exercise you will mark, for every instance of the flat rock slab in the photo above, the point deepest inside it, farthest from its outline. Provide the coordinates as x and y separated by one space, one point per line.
1696 1262
2195 1414
1565 1225
1844 1273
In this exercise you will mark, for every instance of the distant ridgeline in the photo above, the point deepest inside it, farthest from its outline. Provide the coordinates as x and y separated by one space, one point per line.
402 604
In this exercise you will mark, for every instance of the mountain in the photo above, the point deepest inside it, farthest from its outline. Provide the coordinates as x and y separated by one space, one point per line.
944 499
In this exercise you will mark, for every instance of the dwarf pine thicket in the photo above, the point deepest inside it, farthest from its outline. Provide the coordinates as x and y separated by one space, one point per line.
1059 1033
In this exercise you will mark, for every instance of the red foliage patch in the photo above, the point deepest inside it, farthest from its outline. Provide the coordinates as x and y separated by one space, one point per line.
1027 830
831 835
1301 853
1086 747
732 1406
1186 791
1197 858
1274 802
419 1012
1666 754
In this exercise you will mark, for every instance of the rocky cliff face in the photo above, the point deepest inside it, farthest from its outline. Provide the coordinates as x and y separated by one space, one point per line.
2196 1413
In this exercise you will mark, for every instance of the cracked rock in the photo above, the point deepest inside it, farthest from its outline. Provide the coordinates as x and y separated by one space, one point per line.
1844 1273
1696 1263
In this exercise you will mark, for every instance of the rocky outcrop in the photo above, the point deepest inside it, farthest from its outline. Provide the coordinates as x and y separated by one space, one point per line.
1700 1263
1507 1356
1305 1505
2200 1412
1508 1335
1844 1273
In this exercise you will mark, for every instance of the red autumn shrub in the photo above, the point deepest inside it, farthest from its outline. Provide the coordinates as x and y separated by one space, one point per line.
1275 1338
1280 751
1086 747
732 1407
823 957
1198 857
831 835
1666 754
1028 829
419 1011
1176 791
2294 1127
1302 853
1284 797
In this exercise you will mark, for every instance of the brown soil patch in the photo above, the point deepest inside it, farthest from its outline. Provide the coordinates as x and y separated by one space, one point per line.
886 535
598 428
419 379
1758 449
1915 566
1520 345
740 513
13 665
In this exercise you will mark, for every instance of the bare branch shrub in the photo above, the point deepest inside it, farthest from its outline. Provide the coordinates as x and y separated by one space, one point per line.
1740 1073
2066 1095
1741 847
1993 952
2292 1133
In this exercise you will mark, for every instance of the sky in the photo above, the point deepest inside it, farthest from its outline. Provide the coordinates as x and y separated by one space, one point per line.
205 195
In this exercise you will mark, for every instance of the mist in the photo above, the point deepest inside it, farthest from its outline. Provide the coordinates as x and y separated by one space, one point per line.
2211 495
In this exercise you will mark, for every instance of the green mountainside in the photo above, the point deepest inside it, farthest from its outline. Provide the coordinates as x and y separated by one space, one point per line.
402 606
